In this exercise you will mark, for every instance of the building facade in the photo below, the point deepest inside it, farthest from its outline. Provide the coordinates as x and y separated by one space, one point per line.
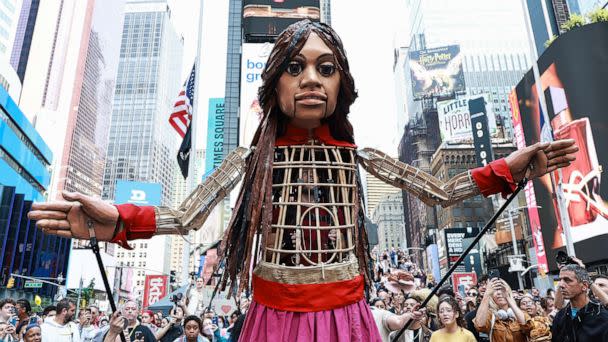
9 18
24 165
375 192
142 145
419 142
388 215
492 39
23 37
68 91
452 159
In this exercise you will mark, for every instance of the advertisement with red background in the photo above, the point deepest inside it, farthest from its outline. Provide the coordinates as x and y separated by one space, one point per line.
155 289
573 79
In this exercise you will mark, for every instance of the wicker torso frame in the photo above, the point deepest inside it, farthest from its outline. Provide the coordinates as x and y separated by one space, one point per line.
313 229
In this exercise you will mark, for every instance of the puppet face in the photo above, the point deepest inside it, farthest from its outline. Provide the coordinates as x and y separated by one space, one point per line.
308 88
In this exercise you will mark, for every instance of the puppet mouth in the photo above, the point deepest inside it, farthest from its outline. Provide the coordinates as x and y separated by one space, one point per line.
311 98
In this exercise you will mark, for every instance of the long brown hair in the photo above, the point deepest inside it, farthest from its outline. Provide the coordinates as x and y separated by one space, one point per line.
253 211
451 301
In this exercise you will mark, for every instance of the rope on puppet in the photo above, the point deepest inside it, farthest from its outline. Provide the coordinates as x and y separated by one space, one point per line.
520 186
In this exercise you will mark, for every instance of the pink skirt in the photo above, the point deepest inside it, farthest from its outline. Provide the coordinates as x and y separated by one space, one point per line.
353 322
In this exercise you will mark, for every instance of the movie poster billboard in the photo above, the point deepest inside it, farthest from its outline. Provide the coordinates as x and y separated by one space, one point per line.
455 118
573 75
253 61
265 19
437 72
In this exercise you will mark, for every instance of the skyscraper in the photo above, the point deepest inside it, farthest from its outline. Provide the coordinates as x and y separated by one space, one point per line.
388 215
375 190
233 77
69 89
23 37
142 145
9 17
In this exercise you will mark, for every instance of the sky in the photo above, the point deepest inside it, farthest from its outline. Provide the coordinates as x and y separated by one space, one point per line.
368 33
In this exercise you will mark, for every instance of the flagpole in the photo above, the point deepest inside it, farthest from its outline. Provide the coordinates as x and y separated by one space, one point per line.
192 182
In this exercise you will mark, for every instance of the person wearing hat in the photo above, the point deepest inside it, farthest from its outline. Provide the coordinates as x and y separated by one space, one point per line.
400 282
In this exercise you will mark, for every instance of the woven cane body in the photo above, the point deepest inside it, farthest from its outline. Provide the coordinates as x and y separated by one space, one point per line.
312 236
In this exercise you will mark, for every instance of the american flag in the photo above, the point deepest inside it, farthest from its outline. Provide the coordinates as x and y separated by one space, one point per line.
182 109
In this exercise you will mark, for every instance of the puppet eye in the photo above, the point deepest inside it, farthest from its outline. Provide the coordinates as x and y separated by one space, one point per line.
327 69
294 68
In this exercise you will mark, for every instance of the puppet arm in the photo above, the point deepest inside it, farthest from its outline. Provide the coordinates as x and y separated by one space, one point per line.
195 209
429 189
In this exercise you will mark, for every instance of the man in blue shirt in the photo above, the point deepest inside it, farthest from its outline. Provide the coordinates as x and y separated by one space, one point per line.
582 319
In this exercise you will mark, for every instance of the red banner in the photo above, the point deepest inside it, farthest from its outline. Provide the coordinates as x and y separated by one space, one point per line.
465 279
155 288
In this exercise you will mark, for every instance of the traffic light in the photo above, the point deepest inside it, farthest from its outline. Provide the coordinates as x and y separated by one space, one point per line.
11 283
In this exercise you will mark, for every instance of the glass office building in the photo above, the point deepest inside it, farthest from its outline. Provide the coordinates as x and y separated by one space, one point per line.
24 168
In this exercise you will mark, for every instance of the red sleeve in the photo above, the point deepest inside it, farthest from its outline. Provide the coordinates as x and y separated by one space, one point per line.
494 178
137 223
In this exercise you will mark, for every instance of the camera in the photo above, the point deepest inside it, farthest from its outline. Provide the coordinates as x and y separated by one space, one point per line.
564 259
176 297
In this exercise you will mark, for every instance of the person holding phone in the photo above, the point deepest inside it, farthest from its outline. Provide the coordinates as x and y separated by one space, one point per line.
127 322
499 316
174 329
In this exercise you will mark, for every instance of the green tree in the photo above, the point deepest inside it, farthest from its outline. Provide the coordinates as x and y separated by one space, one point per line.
575 21
597 16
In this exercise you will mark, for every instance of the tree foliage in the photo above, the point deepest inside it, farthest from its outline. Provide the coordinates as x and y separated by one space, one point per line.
576 20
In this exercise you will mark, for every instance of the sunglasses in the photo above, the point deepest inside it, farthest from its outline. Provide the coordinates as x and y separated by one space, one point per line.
472 294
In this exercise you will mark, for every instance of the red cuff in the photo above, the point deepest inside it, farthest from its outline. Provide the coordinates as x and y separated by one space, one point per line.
494 178
137 223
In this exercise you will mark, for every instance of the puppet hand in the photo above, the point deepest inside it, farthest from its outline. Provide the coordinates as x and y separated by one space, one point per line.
541 158
69 219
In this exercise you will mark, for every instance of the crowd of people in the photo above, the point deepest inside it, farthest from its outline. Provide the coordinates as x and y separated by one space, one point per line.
577 310
61 323
487 311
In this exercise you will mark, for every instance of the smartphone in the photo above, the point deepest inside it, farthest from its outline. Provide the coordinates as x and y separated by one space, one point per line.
34 320
494 273
13 321
214 320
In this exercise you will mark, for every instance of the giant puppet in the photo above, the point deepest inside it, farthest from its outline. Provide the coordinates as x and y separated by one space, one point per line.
297 232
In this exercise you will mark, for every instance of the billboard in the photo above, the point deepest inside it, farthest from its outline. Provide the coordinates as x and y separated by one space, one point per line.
461 282
573 74
155 289
253 61
455 118
265 19
456 241
140 193
481 132
215 134
437 72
